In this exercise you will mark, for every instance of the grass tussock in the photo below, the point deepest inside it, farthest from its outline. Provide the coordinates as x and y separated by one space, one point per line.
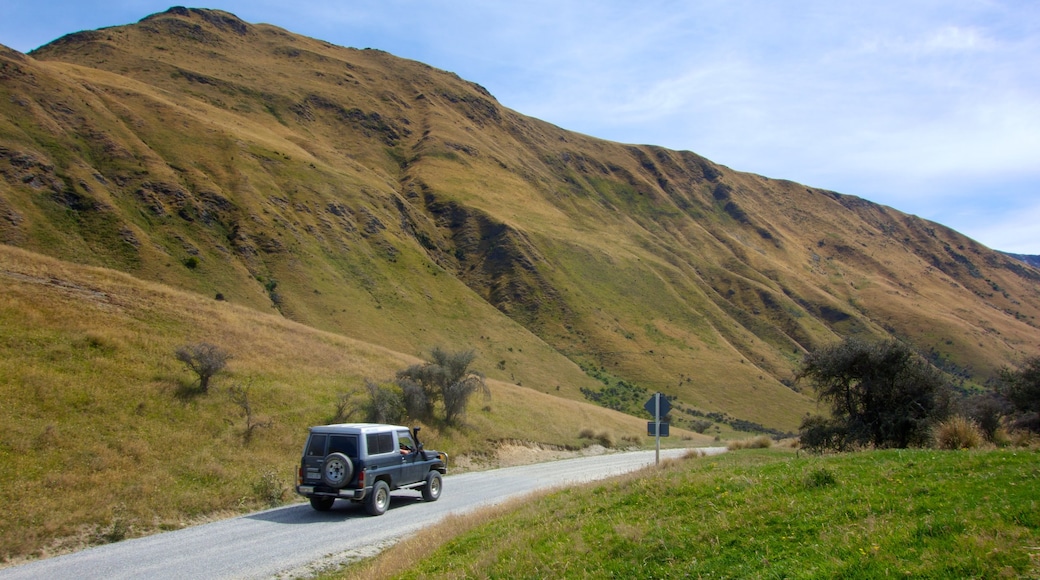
959 433
891 513
759 442
602 437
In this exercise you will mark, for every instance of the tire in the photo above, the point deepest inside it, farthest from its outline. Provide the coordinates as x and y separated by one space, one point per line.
337 470
322 503
379 499
432 490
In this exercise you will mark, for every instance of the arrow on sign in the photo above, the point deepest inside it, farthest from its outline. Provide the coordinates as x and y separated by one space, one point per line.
651 405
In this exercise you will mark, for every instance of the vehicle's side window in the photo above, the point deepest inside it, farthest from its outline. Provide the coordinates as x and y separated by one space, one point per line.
345 444
405 442
380 443
316 446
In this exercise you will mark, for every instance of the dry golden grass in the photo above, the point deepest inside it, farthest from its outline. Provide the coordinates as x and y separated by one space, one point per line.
105 437
623 258
760 442
626 257
959 433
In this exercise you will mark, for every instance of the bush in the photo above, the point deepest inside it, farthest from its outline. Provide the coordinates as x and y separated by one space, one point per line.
760 442
819 477
1021 387
881 394
204 359
385 403
604 438
447 378
958 433
819 433
986 411
270 488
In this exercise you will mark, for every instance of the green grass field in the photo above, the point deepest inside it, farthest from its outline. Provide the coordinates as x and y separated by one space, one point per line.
759 514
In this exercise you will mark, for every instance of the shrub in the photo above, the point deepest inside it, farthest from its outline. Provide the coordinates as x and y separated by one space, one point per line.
818 433
701 425
204 359
270 488
240 396
819 477
881 394
385 403
447 378
958 433
1021 387
606 439
760 442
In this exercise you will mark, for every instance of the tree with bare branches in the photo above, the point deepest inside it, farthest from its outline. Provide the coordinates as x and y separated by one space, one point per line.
203 359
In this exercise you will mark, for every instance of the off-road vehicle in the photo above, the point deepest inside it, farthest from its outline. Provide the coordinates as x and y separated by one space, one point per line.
364 462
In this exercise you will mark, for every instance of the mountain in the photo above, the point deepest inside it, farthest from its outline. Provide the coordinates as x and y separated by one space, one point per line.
384 200
1033 261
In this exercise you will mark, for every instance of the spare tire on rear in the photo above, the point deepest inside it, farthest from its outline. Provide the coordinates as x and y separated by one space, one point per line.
337 470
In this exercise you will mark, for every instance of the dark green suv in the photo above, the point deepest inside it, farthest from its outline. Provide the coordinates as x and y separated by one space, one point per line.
364 462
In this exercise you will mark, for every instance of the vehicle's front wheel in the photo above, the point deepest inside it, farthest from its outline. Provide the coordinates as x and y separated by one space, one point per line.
379 499
322 503
432 490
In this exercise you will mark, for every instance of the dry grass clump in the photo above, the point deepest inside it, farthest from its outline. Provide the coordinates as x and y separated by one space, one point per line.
760 442
958 433
604 438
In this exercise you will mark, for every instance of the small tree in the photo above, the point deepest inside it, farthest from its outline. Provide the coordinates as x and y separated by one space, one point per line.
203 359
446 378
385 403
1021 387
880 393
240 396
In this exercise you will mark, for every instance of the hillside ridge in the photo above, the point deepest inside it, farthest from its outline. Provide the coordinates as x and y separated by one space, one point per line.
383 199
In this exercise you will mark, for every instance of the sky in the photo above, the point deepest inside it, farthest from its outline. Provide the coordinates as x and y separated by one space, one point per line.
928 106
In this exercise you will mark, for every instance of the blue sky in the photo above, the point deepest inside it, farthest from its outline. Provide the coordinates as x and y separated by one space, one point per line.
928 106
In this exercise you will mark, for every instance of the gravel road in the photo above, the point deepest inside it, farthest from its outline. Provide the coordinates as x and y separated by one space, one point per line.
295 540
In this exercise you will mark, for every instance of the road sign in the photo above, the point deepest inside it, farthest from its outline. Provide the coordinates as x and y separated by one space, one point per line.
651 429
651 405
658 406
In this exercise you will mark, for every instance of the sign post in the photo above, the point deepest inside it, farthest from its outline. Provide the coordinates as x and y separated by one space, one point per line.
658 406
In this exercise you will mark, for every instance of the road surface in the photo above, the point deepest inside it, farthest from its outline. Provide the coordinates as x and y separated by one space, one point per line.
295 540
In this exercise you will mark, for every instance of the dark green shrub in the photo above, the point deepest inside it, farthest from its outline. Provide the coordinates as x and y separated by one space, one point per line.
881 394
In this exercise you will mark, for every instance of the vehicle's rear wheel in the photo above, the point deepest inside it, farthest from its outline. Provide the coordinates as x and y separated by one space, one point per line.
336 470
322 503
432 490
379 499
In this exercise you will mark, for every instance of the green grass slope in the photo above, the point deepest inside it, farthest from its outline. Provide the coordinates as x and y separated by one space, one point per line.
758 514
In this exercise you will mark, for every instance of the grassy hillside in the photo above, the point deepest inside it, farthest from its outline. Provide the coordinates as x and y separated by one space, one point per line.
756 514
381 199
327 214
106 437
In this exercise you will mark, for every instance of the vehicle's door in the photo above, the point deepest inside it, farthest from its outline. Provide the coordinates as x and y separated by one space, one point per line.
413 467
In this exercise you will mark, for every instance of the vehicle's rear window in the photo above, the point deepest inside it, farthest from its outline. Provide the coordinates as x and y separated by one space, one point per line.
345 444
380 443
316 446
